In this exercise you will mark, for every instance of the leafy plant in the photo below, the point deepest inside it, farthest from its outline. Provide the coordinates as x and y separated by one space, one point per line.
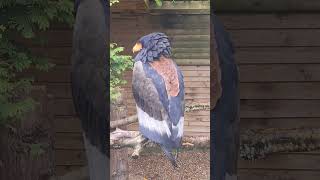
158 2
22 20
118 64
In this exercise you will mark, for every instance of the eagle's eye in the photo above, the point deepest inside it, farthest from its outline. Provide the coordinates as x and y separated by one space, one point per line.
137 47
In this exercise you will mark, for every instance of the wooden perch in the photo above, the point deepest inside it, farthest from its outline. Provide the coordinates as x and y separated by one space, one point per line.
121 138
123 122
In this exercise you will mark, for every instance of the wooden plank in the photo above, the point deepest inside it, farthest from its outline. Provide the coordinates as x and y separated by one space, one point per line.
67 124
278 37
56 55
191 55
270 21
277 55
195 68
267 174
198 123
194 128
279 73
266 5
70 157
261 123
172 32
197 90
191 50
183 44
192 62
283 161
286 90
191 38
68 141
62 170
63 107
279 108
59 90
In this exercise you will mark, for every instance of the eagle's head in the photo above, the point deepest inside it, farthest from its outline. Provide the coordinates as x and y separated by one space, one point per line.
151 47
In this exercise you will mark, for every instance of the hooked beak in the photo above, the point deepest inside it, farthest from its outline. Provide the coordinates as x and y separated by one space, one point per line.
137 47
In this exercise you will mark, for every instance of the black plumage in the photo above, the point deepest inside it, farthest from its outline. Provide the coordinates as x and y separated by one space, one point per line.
89 71
160 110
225 115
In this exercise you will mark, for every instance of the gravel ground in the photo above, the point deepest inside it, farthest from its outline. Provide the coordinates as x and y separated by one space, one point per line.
193 165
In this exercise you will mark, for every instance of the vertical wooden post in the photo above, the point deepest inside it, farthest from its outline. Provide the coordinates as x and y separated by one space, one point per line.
119 169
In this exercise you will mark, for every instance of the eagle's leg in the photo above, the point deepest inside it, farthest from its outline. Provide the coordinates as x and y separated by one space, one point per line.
169 154
177 152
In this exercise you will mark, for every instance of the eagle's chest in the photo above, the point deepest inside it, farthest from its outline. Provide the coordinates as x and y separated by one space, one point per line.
167 70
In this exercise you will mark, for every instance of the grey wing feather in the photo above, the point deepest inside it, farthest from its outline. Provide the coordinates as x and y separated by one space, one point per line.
145 93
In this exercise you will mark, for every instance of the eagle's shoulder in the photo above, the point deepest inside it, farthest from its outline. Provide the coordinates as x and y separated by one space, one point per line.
167 69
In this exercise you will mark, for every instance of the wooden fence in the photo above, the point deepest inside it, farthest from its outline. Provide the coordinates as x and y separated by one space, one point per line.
277 49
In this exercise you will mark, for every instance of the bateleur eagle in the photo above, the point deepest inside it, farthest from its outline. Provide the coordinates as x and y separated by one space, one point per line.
158 90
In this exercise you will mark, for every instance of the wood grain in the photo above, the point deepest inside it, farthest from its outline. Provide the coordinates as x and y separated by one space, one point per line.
266 6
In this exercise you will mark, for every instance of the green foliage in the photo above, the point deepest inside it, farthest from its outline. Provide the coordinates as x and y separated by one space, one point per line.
118 64
158 2
22 19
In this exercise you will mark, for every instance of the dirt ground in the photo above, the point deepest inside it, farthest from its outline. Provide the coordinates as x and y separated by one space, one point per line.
193 165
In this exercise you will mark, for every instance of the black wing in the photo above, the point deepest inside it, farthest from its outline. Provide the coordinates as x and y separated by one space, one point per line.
89 74
226 112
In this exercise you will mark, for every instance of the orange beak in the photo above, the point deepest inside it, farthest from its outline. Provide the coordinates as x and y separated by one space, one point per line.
137 47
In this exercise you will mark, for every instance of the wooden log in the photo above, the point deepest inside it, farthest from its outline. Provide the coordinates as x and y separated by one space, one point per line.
257 144
122 122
